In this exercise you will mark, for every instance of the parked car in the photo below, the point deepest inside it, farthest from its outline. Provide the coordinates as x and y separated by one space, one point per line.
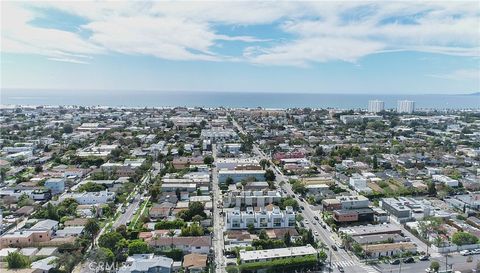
315 217
396 261
315 233
466 252
334 247
409 260
424 258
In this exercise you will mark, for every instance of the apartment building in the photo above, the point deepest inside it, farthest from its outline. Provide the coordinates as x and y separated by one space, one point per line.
89 198
251 198
269 217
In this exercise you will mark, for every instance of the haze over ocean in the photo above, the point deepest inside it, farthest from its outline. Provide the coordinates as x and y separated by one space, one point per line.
227 99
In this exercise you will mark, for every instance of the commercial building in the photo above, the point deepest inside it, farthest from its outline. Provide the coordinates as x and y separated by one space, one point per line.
277 253
405 106
375 106
270 217
353 215
389 249
346 203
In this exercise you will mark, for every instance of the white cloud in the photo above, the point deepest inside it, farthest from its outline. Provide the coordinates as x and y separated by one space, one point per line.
313 31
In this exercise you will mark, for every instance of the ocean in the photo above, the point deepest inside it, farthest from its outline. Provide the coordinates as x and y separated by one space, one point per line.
125 98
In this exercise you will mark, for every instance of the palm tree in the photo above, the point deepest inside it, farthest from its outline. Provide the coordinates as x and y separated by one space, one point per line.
170 234
92 228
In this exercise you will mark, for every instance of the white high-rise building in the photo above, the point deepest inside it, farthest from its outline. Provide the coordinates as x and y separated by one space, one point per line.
375 106
405 106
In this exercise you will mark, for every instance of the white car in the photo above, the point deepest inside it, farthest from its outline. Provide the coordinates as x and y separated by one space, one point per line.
306 222
316 233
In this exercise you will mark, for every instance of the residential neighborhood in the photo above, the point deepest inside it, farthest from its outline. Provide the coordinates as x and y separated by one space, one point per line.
105 189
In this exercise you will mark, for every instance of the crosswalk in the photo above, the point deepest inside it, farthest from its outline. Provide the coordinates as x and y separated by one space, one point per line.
366 268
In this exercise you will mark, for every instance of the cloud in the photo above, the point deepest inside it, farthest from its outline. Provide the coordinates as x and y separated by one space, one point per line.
305 32
459 75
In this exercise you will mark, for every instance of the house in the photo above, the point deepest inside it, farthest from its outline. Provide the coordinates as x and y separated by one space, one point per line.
55 185
197 244
147 263
89 198
195 263
162 210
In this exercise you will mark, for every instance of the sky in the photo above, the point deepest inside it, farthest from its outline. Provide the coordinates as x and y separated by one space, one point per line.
411 47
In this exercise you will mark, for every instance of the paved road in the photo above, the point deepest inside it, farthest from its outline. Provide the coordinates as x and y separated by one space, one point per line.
338 258
457 261
218 220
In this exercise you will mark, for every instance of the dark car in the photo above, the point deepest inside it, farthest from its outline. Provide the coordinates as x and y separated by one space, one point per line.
340 268
302 207
409 260
424 258
397 261
315 217
334 247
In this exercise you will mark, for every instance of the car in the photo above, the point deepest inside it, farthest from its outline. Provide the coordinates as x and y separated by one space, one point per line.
334 247
314 223
306 222
315 217
315 233
409 260
324 226
424 258
302 207
340 268
396 261
465 252
476 251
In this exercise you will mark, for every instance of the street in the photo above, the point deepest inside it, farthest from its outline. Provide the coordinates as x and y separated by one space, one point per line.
217 219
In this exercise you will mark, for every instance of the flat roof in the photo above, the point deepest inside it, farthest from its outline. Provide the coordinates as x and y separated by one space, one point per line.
277 253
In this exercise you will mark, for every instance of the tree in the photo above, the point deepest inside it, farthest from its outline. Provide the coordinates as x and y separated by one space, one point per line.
251 228
67 129
38 168
263 235
91 187
138 247
92 228
229 181
192 230
102 255
208 160
375 162
197 218
431 189
269 175
464 238
264 163
16 260
287 239
24 200
109 240
435 266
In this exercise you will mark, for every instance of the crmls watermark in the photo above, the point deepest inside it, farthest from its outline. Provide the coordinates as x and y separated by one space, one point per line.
105 266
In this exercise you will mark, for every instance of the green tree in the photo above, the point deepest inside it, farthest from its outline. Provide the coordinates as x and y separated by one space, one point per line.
229 181
109 240
208 160
264 163
435 266
251 228
263 235
16 260
287 239
464 238
138 247
269 175
67 129
92 228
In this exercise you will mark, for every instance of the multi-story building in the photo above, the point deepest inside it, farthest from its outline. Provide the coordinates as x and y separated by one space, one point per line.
218 134
359 183
251 198
405 106
270 217
375 106
353 215
398 209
